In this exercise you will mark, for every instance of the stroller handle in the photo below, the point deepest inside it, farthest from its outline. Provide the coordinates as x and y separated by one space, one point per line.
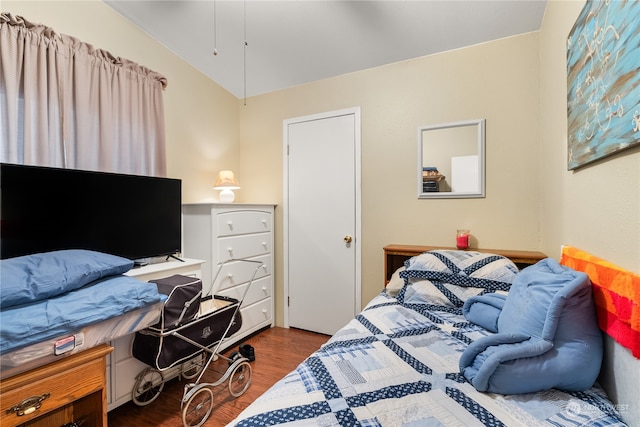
259 264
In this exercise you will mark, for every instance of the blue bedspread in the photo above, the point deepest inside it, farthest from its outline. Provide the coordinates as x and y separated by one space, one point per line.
397 365
103 299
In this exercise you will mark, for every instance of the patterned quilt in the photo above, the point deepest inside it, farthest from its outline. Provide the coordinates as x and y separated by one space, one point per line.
396 364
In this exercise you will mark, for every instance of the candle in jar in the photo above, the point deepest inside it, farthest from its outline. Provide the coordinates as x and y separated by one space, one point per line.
462 239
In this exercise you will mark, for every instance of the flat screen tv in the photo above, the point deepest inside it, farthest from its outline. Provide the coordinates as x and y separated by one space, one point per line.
44 209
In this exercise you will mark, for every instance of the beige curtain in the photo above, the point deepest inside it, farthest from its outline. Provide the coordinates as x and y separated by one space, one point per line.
64 103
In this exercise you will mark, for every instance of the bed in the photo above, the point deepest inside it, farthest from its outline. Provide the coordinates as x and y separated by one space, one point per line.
62 302
450 342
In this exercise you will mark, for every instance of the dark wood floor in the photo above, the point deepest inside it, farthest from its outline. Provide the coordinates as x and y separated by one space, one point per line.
277 350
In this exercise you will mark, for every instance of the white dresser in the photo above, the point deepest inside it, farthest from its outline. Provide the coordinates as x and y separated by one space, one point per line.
218 232
122 367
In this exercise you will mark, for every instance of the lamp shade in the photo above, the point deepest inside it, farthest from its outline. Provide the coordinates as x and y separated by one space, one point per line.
226 180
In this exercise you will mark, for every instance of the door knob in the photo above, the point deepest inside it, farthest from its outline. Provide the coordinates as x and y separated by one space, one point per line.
348 239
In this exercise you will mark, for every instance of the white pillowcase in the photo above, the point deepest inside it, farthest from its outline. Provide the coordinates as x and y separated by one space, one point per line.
450 277
395 283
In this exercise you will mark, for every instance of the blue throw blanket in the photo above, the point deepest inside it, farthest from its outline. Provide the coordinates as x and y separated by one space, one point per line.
547 337
484 310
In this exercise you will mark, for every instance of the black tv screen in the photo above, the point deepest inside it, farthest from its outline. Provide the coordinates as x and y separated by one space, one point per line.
45 209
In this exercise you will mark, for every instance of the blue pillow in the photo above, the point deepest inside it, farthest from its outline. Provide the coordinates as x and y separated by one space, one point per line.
41 276
66 314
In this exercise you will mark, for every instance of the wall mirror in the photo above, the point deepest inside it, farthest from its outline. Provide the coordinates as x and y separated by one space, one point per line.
451 160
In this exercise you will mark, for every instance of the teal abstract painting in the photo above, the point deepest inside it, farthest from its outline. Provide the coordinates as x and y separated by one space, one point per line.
603 81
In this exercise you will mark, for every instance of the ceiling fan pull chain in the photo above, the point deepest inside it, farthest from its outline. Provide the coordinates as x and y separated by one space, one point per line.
244 4
215 29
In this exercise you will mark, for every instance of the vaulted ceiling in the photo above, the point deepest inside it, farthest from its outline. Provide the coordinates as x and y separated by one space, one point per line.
289 43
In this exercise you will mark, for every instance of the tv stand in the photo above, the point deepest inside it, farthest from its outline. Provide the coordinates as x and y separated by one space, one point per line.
162 259
174 257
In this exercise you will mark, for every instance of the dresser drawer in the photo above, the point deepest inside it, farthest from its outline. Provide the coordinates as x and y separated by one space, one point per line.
237 272
65 382
219 232
122 348
259 290
256 316
243 222
246 246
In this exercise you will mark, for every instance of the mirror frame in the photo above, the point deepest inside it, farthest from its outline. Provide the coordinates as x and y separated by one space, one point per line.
480 123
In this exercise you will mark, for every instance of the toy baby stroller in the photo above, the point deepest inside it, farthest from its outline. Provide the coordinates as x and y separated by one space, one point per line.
191 328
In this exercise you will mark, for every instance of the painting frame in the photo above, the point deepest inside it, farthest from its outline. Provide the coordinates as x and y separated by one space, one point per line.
603 81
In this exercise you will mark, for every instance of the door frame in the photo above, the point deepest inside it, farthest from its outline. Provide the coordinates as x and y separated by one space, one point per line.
355 111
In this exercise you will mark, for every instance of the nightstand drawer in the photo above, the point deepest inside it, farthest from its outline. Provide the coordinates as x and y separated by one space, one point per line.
59 384
248 246
243 222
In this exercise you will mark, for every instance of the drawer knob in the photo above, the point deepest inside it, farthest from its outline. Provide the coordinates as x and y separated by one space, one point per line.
230 224
28 405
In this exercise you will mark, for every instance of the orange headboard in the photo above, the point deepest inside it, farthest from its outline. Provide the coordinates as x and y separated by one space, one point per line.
616 293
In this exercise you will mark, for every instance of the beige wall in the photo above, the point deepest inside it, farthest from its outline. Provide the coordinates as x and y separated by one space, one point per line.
533 202
497 81
518 84
595 208
201 117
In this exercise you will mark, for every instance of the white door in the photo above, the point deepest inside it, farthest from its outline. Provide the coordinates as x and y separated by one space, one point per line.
322 224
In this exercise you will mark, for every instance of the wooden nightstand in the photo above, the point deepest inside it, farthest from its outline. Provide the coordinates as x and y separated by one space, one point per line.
395 256
70 389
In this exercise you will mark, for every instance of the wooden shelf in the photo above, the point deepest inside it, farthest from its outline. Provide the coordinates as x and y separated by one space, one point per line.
395 256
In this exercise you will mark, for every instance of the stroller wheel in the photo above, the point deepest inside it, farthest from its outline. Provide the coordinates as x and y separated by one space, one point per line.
240 379
198 408
149 383
233 357
193 367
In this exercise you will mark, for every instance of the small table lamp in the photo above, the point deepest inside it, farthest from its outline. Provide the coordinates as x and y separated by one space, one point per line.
226 182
